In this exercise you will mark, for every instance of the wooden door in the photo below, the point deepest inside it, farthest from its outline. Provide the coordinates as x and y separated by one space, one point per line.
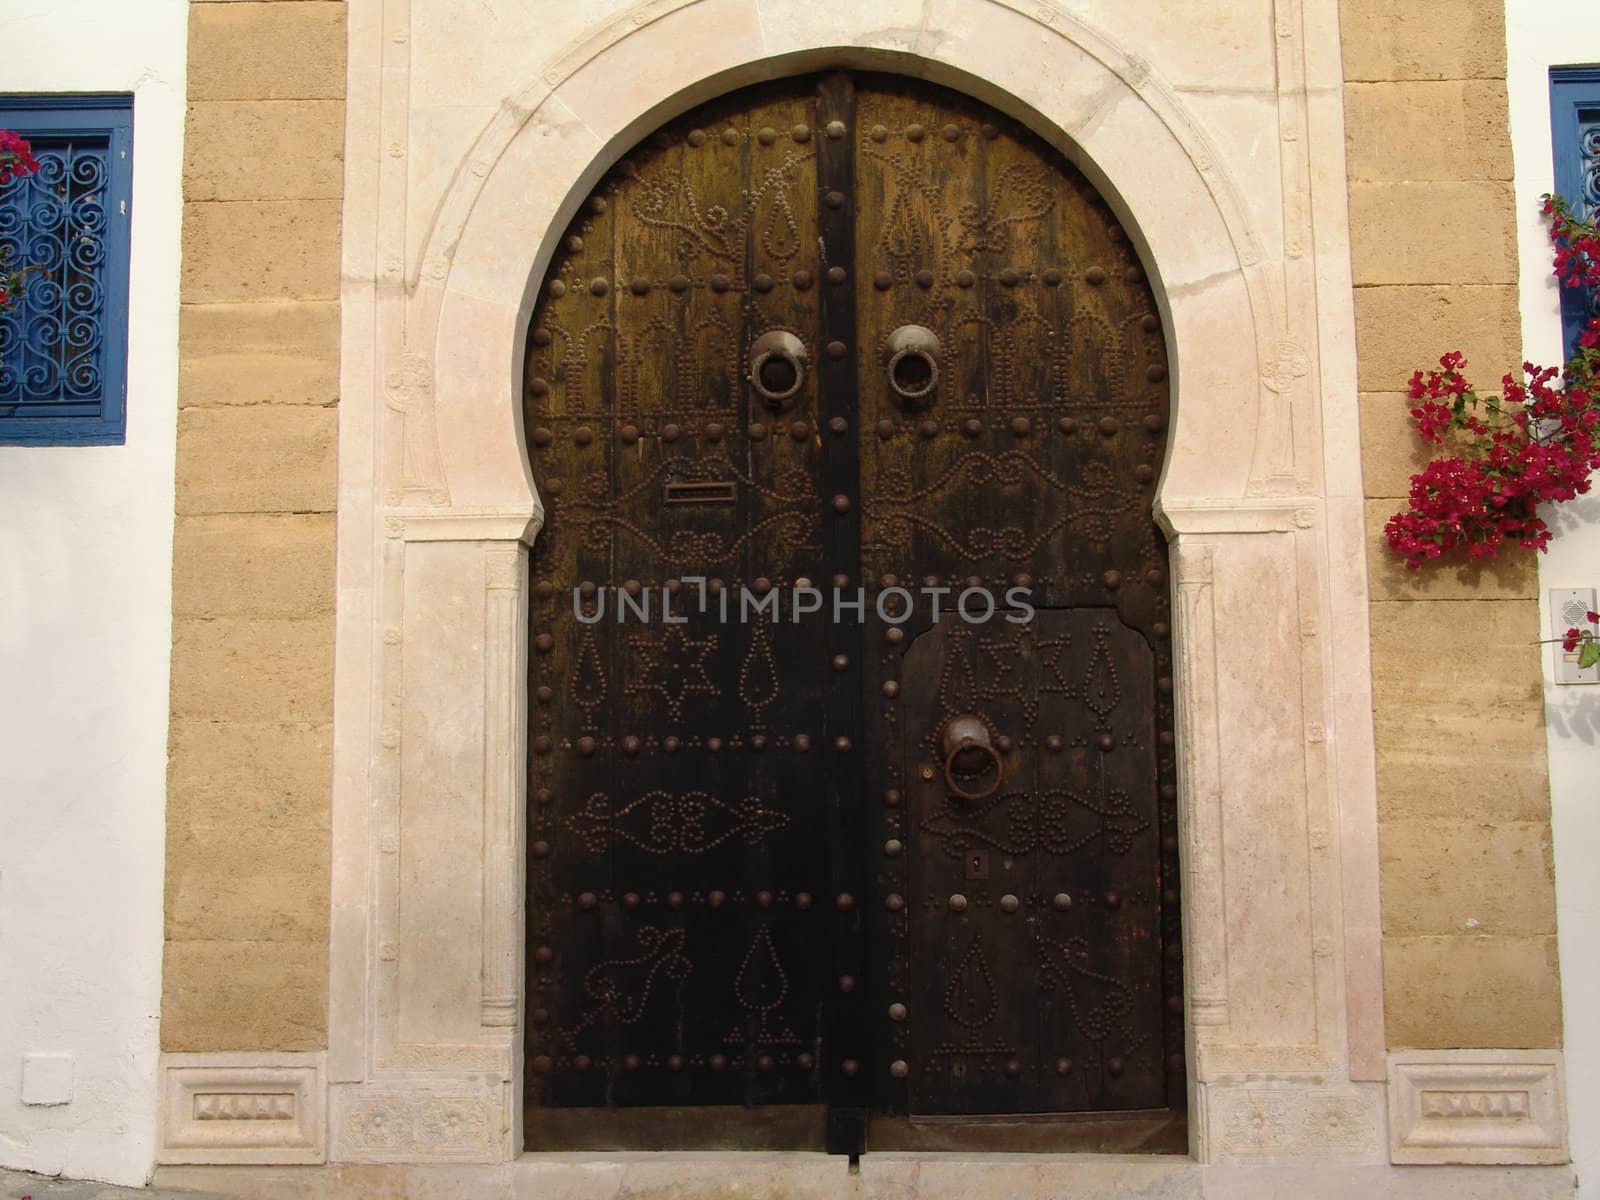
787 873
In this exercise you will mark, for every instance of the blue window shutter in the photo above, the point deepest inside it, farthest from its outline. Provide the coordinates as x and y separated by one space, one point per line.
1575 129
64 347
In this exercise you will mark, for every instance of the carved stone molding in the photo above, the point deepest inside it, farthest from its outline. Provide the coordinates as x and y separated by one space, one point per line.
419 1120
241 1108
1477 1106
1249 1122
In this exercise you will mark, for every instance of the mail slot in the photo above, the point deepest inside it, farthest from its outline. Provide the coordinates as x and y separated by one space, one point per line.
702 492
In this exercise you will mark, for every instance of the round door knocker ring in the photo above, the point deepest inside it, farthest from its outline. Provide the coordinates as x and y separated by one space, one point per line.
969 751
778 368
913 364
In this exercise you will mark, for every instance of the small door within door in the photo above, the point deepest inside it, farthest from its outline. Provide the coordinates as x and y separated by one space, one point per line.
909 855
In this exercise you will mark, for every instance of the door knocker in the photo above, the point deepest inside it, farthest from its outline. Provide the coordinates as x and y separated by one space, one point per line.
968 753
778 368
913 364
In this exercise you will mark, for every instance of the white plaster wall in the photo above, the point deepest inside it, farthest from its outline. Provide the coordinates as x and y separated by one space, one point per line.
85 636
1539 36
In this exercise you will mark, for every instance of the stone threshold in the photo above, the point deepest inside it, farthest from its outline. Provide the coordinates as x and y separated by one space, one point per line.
735 1176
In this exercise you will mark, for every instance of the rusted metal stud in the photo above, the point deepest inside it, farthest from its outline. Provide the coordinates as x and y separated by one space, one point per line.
965 279
716 898
801 133
799 431
1175 1062
630 900
1109 426
802 742
1009 903
897 1011
543 796
1164 738
757 741
833 199
585 746
714 745
540 1016
630 1062
878 133
801 279
629 434
927 773
803 1061
838 426
717 1062
1144 473
1149 322
674 899
598 286
583 435
730 136
841 503
554 487
630 745
670 744
544 694
1051 277
837 275
1154 422
972 427
989 130
632 586
671 432
758 432
1175 1004
1021 426
762 282
544 954
720 283
675 1062
764 1062
1053 743
542 437
841 662
802 901
1155 372
542 1065
842 744
891 688
1134 273
544 589
713 431
557 289
915 132
958 903
1067 425
1004 744
696 138
1061 902
891 798
542 337
541 849
538 387
1105 743
894 902
543 744
883 281
886 428
895 635
844 901
1169 896
834 129
544 643
766 135
850 1067
1169 792
1013 1068
952 133
1010 277
1063 1066
587 900
1164 684
763 899
837 350
587 589
893 847
1161 629
847 983
1112 580
899 1069
1094 276
1169 843
1115 1067
1113 900
923 278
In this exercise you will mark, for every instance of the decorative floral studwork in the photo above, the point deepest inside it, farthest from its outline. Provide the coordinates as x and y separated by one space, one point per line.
16 161
1536 443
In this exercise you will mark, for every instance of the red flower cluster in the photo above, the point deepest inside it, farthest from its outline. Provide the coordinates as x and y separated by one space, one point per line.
16 161
1537 443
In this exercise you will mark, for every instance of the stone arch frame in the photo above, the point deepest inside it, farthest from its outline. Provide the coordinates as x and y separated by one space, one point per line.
1260 494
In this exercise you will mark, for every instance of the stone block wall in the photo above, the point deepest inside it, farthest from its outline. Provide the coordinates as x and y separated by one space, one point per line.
1468 901
249 776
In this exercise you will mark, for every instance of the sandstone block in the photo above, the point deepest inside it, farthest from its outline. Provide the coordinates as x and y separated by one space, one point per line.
264 150
253 565
244 995
1404 329
252 670
1467 877
271 50
1438 232
256 460
1443 993
1448 129
1423 39
260 353
246 882
260 250
272 778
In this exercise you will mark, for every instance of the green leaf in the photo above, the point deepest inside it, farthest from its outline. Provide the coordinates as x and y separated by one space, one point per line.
1589 655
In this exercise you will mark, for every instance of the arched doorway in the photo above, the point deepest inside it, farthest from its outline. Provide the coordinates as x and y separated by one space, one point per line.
911 863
